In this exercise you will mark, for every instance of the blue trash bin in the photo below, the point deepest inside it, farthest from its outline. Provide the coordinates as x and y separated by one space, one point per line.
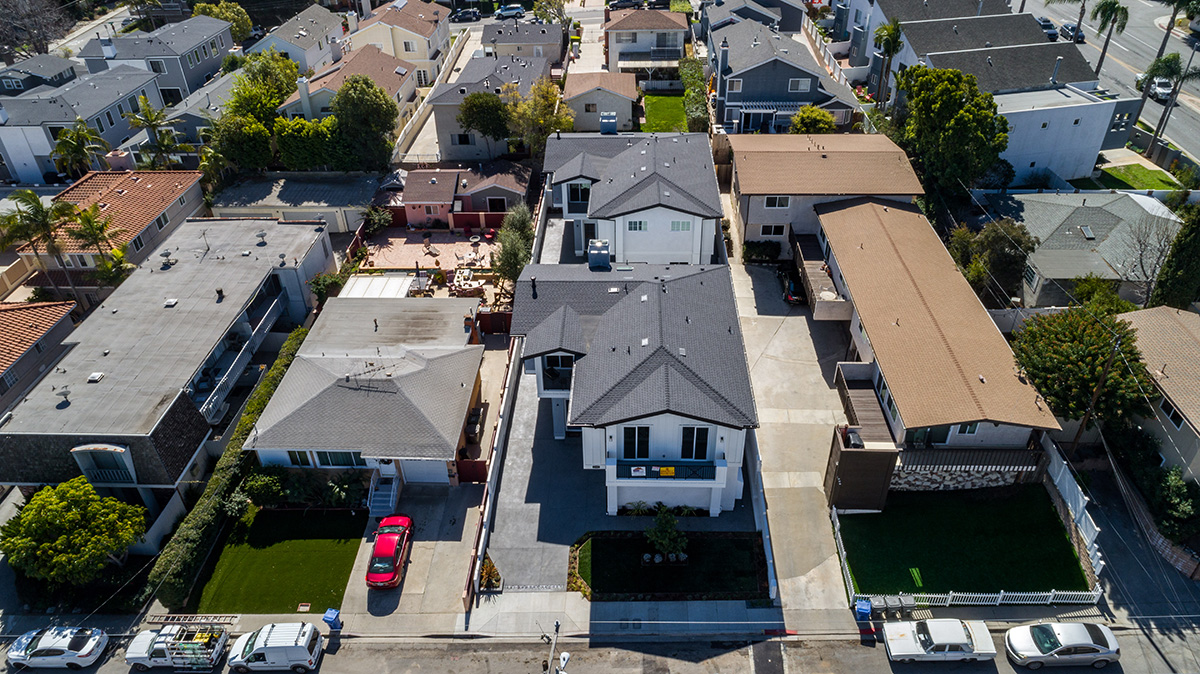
862 610
332 618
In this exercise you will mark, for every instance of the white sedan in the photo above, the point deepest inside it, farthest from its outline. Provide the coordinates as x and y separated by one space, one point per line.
1036 646
936 640
58 647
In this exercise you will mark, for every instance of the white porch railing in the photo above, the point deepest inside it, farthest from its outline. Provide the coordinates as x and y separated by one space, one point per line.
211 409
1000 598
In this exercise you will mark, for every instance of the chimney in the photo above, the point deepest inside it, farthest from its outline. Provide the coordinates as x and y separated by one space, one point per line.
305 101
979 12
365 8
1054 77
119 161
335 49
722 64
606 13
108 48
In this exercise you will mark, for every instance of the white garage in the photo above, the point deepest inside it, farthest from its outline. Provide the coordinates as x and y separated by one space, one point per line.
417 471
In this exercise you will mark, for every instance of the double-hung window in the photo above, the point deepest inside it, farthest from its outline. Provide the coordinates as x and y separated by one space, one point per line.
636 225
778 202
734 87
799 85
681 226
695 443
637 442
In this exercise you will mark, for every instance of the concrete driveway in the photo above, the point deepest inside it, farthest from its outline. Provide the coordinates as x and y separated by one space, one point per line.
429 600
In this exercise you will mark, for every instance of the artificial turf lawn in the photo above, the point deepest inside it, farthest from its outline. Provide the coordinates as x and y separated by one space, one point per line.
962 541
715 565
1136 177
664 113
272 561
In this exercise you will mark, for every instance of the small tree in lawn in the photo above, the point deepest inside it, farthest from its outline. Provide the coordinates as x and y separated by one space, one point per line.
68 534
665 535
811 119
513 255
534 117
484 113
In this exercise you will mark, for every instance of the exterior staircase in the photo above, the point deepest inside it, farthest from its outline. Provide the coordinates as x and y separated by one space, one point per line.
382 499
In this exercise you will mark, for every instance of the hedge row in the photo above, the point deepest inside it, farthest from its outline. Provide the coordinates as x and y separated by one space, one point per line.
695 96
181 558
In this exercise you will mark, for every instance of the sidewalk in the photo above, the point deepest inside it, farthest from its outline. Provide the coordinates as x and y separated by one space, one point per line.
88 27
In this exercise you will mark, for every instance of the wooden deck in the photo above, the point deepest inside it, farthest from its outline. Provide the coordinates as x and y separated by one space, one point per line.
811 265
863 410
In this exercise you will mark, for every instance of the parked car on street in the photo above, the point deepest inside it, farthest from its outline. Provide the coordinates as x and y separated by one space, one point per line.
936 640
624 4
393 541
1048 28
1049 644
465 15
510 12
177 646
257 32
294 646
57 647
1160 89
1067 30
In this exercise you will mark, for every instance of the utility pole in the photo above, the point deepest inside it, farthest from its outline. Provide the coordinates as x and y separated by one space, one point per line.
1087 416
564 657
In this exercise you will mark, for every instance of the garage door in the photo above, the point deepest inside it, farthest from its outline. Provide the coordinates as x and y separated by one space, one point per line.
429 472
330 217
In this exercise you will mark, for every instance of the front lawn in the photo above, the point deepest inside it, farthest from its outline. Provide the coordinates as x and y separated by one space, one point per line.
664 113
1136 177
983 540
725 565
272 561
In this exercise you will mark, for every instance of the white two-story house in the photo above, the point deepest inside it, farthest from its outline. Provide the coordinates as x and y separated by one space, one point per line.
647 42
413 30
645 197
648 365
313 38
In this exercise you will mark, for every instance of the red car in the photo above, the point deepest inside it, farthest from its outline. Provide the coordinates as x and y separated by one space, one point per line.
393 541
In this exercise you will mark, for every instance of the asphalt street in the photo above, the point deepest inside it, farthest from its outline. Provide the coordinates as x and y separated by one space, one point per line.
1131 53
79 36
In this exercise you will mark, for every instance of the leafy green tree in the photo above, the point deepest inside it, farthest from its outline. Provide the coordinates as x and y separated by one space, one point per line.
227 11
244 141
1179 278
811 119
993 259
1112 17
32 221
94 229
1100 295
888 37
232 62
303 145
78 148
520 220
113 268
212 166
266 79
366 122
952 128
1063 354
160 136
553 11
68 534
665 535
513 255
534 117
960 245
484 113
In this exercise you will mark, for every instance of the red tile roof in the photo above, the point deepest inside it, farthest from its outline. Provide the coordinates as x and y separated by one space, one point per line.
22 324
133 199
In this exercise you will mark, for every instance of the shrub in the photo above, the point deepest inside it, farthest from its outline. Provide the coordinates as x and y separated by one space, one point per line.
665 535
376 220
264 487
1174 502
184 554
760 250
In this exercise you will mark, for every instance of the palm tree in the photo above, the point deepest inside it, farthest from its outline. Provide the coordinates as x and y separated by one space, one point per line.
161 137
35 222
887 36
212 166
1189 7
1171 67
78 147
1112 16
93 230
1078 22
112 270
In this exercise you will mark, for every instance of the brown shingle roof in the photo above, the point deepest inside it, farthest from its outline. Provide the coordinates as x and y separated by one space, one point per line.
369 61
943 357
420 188
1169 340
133 199
867 164
621 84
22 324
645 19
415 16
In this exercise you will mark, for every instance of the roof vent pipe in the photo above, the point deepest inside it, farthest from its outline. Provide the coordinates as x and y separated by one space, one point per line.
1054 77
979 12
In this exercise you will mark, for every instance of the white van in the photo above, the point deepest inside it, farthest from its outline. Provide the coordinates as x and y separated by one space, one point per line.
294 646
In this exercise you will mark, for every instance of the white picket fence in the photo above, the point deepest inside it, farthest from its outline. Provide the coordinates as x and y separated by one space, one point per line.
966 598
1073 496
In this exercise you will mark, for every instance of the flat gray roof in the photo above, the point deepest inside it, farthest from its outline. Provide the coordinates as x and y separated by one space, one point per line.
147 351
299 192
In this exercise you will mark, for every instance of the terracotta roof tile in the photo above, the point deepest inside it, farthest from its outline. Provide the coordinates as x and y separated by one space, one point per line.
866 164
1169 340
943 357
369 61
22 324
621 84
645 19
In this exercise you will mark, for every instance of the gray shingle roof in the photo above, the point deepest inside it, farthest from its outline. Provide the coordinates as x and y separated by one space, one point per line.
173 39
42 65
1063 251
999 30
400 390
659 338
1019 68
315 21
751 44
720 11
513 32
924 10
561 331
82 97
488 75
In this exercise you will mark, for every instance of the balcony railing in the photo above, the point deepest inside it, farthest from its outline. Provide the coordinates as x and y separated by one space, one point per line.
211 409
666 470
110 475
653 54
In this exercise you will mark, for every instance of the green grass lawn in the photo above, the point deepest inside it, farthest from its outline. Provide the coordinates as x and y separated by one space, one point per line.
964 541
682 6
1085 184
664 113
273 561
1136 177
717 564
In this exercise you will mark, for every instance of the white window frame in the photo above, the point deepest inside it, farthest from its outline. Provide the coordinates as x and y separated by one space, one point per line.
161 64
697 448
733 86
799 85
410 46
639 452
431 209
64 262
968 429
182 199
626 37
137 243
781 201
681 225
81 261
162 221
635 225
11 378
1170 412
774 230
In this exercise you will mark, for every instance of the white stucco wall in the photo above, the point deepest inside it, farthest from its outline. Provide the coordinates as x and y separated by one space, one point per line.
1065 146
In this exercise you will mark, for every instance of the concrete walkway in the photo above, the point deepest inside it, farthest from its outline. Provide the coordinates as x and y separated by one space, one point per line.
791 361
